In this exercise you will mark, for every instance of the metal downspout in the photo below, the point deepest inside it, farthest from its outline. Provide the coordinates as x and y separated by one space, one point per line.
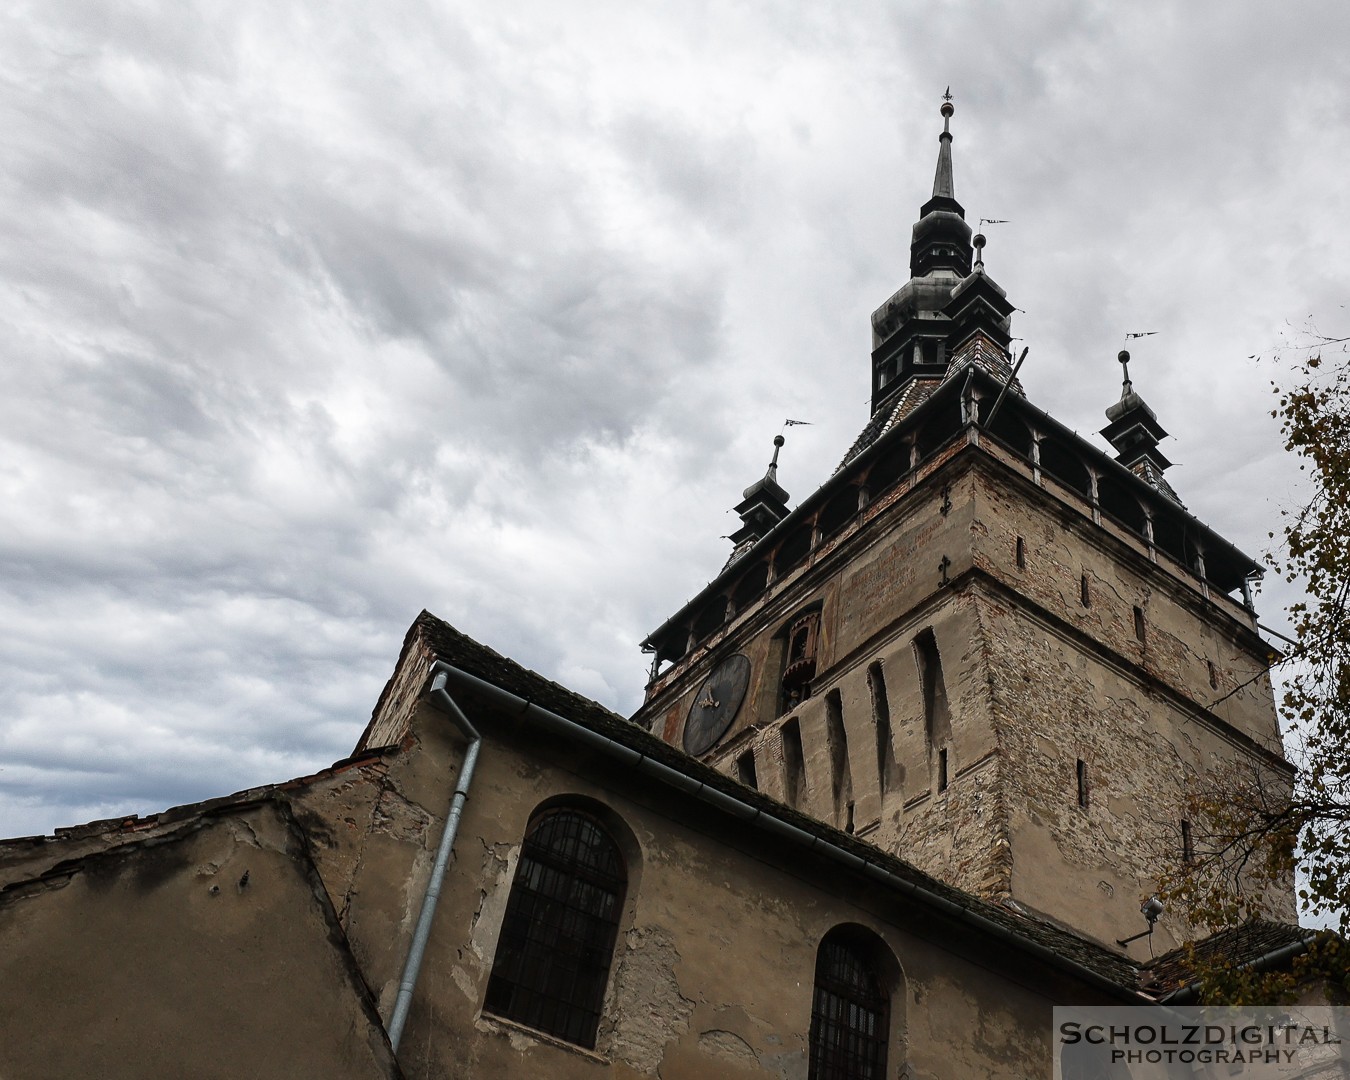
757 817
413 965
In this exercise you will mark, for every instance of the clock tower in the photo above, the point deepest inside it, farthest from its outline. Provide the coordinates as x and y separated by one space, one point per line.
984 644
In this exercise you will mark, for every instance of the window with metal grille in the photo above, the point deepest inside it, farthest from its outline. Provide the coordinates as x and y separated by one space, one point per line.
849 1013
557 938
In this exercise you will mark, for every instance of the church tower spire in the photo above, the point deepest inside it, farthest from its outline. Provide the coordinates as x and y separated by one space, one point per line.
943 185
912 346
941 238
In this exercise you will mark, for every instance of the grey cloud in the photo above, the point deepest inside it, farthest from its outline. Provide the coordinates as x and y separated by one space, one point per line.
314 317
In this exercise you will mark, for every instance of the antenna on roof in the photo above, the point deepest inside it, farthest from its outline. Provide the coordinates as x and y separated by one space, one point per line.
1003 392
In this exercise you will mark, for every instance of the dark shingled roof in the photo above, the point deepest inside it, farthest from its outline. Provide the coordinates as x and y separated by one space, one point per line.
463 652
1238 945
914 394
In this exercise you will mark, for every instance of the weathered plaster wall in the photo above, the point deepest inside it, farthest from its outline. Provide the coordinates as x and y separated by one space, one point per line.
211 952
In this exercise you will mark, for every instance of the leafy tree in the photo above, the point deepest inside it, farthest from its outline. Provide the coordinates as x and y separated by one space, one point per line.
1247 827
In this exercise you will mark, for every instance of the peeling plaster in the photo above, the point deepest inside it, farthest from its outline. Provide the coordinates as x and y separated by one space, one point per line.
648 1007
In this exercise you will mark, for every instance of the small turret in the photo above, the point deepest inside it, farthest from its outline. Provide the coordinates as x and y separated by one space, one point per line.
1134 431
763 505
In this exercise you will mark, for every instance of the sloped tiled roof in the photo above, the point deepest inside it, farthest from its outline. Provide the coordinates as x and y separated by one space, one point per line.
914 394
1152 475
1238 945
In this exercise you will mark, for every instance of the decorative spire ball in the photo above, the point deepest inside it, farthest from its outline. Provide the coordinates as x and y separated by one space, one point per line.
947 109
1124 358
978 243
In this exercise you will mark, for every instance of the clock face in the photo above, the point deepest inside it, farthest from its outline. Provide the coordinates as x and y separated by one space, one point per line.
716 704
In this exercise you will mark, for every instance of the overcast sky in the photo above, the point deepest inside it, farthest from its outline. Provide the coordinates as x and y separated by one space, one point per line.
315 315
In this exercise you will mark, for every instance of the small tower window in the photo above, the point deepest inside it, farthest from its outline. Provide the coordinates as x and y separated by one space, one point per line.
1213 675
1187 843
1084 594
1139 628
1082 784
1021 551
799 666
942 769
745 769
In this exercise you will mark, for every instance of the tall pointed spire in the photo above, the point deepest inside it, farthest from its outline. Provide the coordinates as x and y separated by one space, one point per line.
941 238
909 329
943 185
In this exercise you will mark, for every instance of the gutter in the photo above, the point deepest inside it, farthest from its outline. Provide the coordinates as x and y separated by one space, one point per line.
758 818
412 966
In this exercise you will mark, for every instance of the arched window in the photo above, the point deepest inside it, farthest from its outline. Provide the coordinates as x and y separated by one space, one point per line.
850 1010
557 938
799 660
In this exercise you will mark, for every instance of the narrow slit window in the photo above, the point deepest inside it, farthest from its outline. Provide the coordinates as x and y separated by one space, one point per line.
1187 843
1084 593
794 764
1082 784
1139 628
888 769
937 720
1213 675
745 769
942 769
1021 552
841 776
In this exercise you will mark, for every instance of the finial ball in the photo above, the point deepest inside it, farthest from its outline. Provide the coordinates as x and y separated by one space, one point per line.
1124 357
948 108
778 440
978 241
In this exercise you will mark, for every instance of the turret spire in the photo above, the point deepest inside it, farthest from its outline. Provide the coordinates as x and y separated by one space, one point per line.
1134 431
764 505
